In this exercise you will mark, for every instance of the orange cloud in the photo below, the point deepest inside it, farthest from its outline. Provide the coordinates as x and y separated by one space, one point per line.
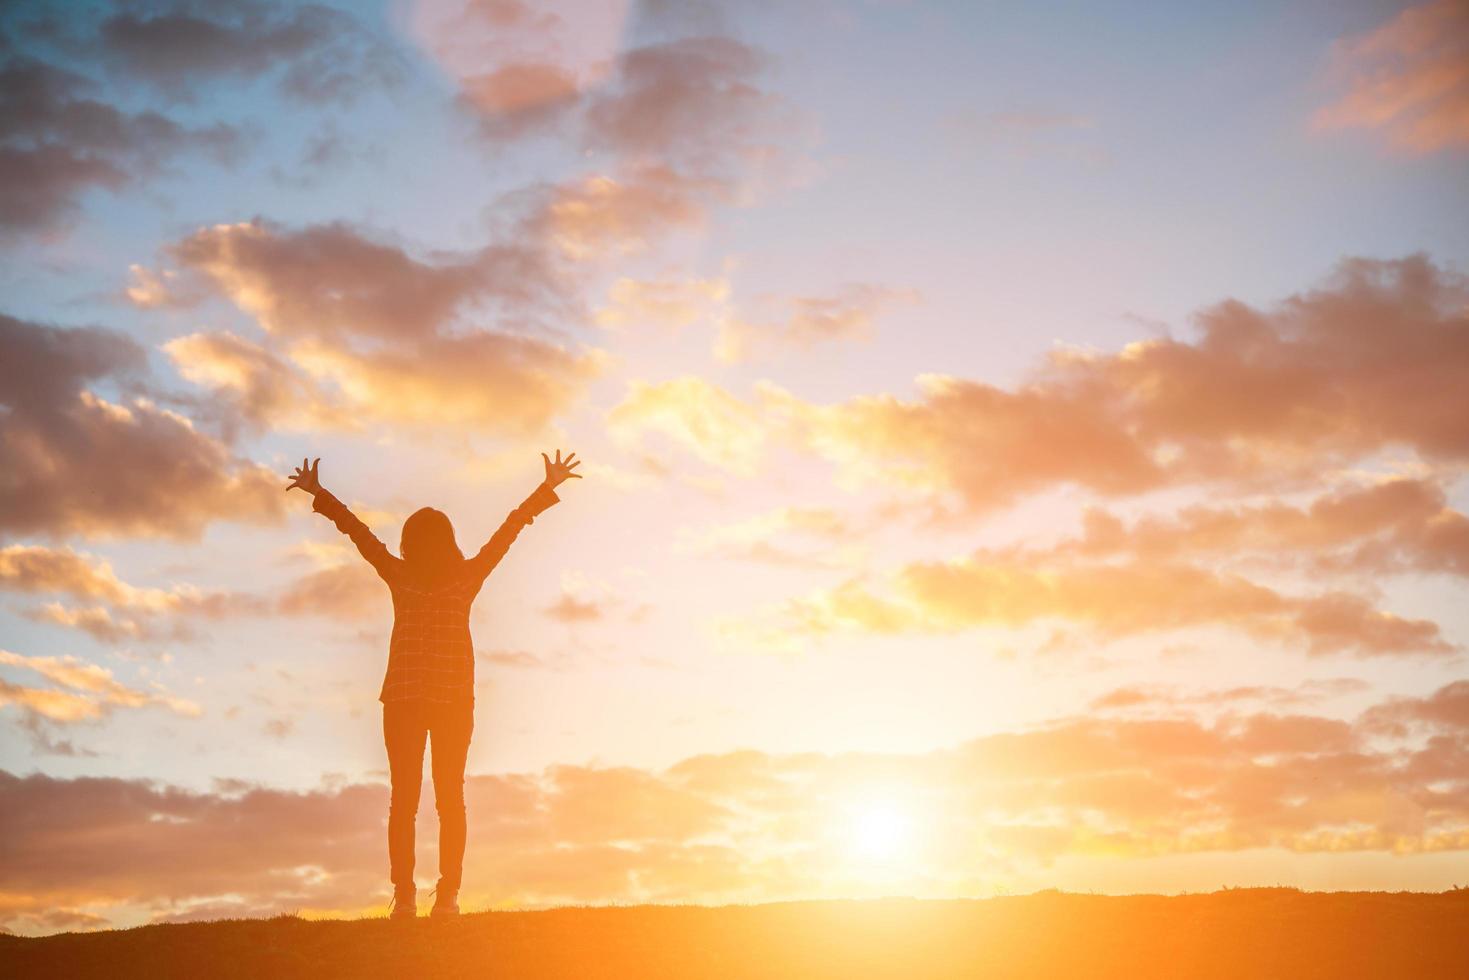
500 382
521 67
86 692
1446 709
609 216
37 569
134 612
510 658
96 621
1156 698
330 281
702 418
1113 600
846 315
50 704
1262 399
1119 580
514 99
780 323
660 86
350 592
1408 78
362 331
583 599
260 387
570 608
151 289
1395 525
755 826
670 303
79 463
32 568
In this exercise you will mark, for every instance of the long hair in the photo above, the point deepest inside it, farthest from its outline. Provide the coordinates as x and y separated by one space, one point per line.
428 541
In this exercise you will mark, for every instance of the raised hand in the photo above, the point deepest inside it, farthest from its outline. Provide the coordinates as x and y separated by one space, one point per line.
305 478
560 470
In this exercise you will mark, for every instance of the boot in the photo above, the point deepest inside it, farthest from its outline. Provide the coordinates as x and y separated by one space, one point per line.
405 902
446 902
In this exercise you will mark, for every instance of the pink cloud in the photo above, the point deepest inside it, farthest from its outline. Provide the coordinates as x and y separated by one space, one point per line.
1408 78
751 825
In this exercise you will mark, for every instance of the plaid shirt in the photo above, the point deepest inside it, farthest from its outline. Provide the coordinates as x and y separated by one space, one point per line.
431 654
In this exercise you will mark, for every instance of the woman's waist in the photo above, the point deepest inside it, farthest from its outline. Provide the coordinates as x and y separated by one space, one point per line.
409 644
431 630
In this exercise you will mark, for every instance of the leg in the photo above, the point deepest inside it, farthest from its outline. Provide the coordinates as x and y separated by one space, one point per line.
404 732
452 728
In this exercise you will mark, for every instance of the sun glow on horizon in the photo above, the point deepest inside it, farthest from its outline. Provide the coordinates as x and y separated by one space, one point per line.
880 831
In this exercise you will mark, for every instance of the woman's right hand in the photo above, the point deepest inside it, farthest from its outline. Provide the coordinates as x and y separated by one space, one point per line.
305 478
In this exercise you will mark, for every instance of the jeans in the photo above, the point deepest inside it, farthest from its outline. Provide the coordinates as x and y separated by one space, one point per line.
407 725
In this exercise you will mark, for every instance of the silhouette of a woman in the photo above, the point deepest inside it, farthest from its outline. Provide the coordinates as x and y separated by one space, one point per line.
429 688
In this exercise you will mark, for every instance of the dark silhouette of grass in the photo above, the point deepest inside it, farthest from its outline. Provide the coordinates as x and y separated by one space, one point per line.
1237 933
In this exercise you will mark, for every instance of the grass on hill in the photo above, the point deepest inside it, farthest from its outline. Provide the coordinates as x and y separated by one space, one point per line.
1239 933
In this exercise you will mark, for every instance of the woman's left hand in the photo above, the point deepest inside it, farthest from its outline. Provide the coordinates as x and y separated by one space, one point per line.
305 477
559 471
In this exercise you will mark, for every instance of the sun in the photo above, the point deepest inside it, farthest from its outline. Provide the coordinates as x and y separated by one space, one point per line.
880 831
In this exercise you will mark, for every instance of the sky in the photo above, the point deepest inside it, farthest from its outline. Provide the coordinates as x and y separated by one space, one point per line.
1024 445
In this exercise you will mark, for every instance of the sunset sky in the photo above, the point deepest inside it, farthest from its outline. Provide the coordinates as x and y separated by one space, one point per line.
1024 445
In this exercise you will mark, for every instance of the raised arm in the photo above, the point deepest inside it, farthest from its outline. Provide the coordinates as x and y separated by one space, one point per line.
543 496
324 503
